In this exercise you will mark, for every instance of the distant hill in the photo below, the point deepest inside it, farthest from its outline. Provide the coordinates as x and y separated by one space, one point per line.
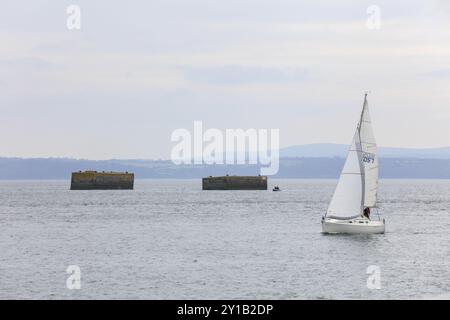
296 167
330 150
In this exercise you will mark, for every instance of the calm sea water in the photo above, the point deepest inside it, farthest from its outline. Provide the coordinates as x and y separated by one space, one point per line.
170 239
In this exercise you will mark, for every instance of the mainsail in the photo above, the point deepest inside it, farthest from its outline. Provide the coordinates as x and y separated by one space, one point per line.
369 157
358 182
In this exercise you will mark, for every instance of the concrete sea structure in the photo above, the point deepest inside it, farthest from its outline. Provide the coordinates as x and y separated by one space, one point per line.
93 180
235 183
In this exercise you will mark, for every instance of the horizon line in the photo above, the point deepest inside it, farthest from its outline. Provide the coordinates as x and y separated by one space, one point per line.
238 151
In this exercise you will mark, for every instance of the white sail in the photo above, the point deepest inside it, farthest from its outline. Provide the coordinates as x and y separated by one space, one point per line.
347 198
369 157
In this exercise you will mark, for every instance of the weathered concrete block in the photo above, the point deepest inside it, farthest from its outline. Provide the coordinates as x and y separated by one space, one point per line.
235 183
93 180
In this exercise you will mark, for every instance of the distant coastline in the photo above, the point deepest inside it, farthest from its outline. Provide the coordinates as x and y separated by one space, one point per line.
294 167
313 161
340 150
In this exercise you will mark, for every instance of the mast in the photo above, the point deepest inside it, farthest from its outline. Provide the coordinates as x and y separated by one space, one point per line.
369 157
363 180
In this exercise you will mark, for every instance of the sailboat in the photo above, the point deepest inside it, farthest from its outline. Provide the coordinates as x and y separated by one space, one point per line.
355 195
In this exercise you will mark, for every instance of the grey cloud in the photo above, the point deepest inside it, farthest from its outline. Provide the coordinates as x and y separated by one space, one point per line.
441 73
27 63
49 48
443 5
228 75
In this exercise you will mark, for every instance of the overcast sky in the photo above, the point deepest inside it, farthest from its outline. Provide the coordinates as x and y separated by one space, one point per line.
137 70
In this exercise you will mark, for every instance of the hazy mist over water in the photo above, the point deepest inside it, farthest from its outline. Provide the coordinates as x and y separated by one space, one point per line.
169 239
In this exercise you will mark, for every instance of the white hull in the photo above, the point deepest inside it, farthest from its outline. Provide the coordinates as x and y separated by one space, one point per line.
353 226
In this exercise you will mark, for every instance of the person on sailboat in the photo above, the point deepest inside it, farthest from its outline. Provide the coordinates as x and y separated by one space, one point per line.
366 212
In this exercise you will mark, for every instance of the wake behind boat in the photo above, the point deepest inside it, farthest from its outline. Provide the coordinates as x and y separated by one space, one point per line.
356 192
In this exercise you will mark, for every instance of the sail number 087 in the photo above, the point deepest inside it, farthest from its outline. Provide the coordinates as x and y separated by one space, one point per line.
368 158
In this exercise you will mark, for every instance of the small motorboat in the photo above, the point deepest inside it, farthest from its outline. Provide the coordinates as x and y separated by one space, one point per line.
276 188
